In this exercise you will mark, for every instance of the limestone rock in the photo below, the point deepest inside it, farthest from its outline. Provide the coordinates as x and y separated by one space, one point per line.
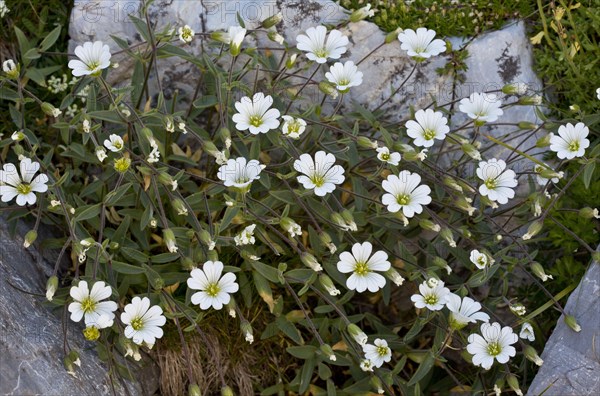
572 360
31 335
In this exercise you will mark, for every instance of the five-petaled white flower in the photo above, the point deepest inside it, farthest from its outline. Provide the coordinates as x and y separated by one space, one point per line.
384 155
344 76
143 321
93 57
495 344
429 125
239 172
421 44
541 180
293 127
465 311
363 267
498 182
482 107
480 259
527 332
319 47
433 295
404 192
256 114
89 303
214 290
114 143
246 236
378 353
319 174
235 36
24 186
571 141
186 34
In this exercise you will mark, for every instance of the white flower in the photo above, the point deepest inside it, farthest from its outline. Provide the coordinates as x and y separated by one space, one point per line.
24 186
571 141
104 321
366 365
363 267
89 303
239 172
220 158
465 311
256 114
384 155
429 125
17 136
319 174
404 192
86 126
527 332
362 13
598 93
542 181
498 183
246 237
93 57
495 344
420 44
293 229
3 9
249 337
518 309
480 259
482 107
318 46
214 289
378 353
186 34
293 127
234 37
344 76
143 322
433 295
9 66
114 143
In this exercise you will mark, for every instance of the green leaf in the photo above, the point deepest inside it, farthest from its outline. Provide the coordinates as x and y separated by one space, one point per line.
87 212
423 369
32 53
289 330
266 270
114 196
50 39
24 44
306 375
134 255
126 269
302 352
588 172
205 102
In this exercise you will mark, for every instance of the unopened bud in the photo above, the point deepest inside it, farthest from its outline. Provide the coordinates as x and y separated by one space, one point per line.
226 391
394 276
446 234
247 331
448 181
527 125
272 20
365 142
572 323
310 261
51 286
515 89
291 61
589 213
194 390
30 237
392 36
276 37
357 334
328 285
514 384
471 151
534 100
50 110
575 108
538 270
429 225
328 89
362 13
544 141
533 229
169 238
531 354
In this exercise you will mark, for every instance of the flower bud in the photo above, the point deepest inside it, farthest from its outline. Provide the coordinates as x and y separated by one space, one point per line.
463 204
11 68
101 154
471 151
310 261
51 286
328 285
448 181
429 225
544 141
30 237
362 13
575 108
365 142
538 270
392 36
393 275
357 334
276 37
328 89
180 207
247 330
206 239
533 229
589 213
291 61
534 100
328 351
432 282
572 323
231 308
291 227
376 383
349 219
272 20
527 125
515 89
446 234
194 390
514 384
518 309
212 255
169 239
17 136
226 391
531 354
50 110
325 239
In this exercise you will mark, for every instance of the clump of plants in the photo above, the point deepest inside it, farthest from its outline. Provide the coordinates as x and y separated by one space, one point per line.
371 258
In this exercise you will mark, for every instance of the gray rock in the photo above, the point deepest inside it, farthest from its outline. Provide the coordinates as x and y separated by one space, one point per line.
572 360
31 336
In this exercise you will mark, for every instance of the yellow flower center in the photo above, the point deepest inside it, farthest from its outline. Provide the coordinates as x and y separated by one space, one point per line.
256 121
122 164
382 350
361 269
481 260
385 156
574 146
91 333
213 289
318 180
428 134
24 188
431 299
137 323
494 348
490 183
293 127
321 53
88 305
344 81
403 199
